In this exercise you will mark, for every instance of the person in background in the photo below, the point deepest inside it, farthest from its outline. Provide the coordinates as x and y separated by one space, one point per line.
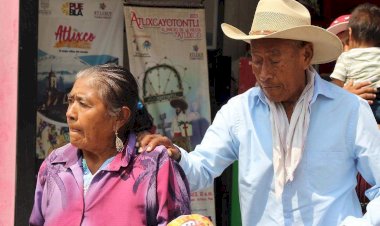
300 140
362 61
339 27
181 128
98 178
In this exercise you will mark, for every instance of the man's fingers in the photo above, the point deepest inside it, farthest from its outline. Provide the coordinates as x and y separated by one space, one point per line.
143 141
370 91
142 137
349 83
156 141
361 89
368 96
147 142
359 85
174 153
146 138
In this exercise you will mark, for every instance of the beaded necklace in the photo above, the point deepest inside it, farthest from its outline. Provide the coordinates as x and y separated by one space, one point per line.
88 176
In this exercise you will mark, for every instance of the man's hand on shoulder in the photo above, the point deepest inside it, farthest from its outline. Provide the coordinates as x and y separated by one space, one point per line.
147 142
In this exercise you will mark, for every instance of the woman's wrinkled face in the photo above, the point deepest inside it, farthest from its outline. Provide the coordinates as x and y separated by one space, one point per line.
91 126
279 66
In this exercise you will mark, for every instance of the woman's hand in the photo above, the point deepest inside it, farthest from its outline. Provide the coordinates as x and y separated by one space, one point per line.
147 142
361 89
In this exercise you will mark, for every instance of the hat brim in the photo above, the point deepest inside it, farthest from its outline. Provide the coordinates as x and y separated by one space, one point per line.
327 46
337 28
180 103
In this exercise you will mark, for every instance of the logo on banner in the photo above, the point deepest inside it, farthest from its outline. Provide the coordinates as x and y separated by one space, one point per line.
72 9
195 55
182 28
102 13
142 46
66 36
44 7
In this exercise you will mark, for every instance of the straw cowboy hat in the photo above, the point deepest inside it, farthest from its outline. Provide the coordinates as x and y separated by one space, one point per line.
288 19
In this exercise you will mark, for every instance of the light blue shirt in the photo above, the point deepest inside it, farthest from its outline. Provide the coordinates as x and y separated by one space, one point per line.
343 138
88 176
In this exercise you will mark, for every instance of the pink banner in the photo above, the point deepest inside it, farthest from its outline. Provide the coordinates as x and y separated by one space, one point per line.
9 20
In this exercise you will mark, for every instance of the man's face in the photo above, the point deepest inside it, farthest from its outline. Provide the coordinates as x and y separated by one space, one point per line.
279 66
178 110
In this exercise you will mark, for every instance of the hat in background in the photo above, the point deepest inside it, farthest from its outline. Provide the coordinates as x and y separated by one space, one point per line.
339 24
288 19
179 103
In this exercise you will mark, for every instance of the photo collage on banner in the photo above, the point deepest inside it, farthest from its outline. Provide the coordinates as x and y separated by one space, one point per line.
72 35
167 54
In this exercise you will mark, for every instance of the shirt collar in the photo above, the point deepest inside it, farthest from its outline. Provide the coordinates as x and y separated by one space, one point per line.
123 158
67 155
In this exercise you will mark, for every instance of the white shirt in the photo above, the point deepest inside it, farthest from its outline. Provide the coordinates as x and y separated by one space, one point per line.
359 64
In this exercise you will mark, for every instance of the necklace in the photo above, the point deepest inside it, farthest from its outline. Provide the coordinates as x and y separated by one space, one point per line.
86 170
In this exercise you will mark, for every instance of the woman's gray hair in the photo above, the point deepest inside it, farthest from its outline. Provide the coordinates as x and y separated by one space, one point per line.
116 86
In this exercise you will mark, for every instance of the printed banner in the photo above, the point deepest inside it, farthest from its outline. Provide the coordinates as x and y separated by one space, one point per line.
72 35
168 56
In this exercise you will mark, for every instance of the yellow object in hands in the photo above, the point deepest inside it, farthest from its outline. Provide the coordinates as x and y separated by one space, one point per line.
191 220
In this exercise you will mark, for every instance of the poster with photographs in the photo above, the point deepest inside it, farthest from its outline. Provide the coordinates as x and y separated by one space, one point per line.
72 35
167 53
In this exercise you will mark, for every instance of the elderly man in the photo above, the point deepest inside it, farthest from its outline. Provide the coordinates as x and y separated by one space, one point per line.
300 141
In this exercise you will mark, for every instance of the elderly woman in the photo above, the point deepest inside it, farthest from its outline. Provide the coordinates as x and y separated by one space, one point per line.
98 178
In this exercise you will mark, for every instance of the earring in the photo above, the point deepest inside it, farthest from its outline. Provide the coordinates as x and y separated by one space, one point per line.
119 143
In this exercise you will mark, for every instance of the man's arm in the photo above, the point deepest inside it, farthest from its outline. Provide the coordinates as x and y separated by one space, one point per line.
217 150
367 152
